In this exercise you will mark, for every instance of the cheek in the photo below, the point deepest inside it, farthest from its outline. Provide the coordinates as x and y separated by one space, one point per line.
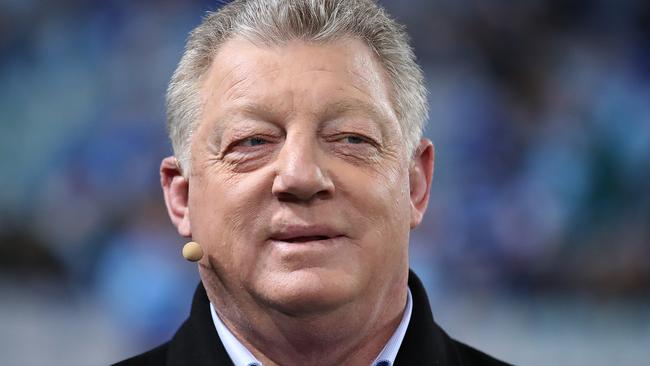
382 222
392 217
380 198
224 210
391 191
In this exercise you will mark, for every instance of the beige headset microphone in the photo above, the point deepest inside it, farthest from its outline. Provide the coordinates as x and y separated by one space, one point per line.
192 251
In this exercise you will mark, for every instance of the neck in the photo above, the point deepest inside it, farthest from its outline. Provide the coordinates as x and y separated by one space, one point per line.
352 334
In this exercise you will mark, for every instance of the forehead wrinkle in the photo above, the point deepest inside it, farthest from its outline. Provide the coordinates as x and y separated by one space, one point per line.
211 86
238 77
234 91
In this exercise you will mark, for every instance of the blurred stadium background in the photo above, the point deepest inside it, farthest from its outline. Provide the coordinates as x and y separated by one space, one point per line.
536 246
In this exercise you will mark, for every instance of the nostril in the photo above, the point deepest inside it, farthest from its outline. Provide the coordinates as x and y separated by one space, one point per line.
301 182
288 197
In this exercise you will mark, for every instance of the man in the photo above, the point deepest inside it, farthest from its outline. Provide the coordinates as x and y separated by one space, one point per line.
300 170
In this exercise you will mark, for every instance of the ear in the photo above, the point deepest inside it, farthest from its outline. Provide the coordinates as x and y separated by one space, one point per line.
175 188
420 175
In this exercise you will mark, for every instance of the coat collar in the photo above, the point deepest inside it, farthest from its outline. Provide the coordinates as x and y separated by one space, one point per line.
425 343
197 342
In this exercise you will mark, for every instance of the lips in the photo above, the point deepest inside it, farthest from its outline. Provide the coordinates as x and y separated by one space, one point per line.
303 239
304 234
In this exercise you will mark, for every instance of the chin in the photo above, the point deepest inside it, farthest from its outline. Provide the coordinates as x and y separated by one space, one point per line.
308 291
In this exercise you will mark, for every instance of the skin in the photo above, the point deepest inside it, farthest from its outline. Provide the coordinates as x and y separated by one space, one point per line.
302 195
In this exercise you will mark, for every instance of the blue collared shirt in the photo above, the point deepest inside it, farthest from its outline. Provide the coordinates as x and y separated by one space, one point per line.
241 356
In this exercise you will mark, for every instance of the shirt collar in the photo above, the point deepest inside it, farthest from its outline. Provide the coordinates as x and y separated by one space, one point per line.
241 356
387 355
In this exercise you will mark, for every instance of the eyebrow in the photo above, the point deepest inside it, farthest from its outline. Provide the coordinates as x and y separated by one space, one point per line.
328 112
354 105
253 109
247 109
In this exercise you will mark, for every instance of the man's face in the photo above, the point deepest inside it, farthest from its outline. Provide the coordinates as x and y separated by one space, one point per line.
299 192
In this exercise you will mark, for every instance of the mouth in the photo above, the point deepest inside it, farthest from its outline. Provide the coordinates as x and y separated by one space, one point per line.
304 234
304 239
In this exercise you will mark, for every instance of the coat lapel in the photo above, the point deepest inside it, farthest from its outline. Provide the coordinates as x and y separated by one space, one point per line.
196 342
425 343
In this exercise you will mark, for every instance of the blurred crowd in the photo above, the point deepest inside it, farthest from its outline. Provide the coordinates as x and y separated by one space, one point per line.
539 110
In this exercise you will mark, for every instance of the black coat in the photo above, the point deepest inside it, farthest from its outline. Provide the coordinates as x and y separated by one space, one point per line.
197 343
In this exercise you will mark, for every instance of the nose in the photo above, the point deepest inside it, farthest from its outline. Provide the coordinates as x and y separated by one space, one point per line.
300 175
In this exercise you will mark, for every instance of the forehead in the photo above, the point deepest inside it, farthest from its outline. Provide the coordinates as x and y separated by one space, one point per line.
296 75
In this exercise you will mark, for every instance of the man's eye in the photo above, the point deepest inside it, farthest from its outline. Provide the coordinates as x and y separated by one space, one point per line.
252 141
353 140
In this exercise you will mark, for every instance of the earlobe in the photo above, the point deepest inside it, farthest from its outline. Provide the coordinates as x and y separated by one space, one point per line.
175 189
420 176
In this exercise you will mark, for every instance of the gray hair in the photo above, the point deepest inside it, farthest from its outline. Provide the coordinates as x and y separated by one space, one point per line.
273 22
